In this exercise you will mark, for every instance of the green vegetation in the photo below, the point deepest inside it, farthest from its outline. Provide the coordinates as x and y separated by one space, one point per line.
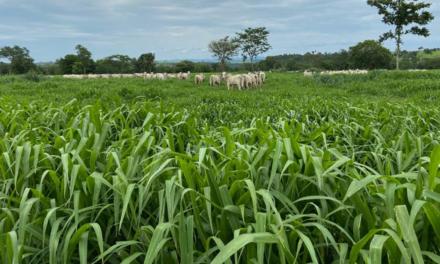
370 55
405 17
330 169
429 54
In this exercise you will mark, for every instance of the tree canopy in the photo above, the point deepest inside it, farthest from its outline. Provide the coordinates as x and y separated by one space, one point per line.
224 49
145 62
253 42
406 17
19 59
370 55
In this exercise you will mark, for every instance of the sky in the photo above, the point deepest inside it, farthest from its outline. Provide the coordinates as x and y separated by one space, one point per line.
182 29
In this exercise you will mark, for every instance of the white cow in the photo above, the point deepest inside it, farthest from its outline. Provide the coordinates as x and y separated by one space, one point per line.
215 80
234 81
199 78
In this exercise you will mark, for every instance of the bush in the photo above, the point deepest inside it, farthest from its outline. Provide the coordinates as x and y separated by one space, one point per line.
32 76
370 55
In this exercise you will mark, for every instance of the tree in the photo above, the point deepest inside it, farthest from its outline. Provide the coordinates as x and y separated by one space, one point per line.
86 63
49 68
185 66
4 68
145 62
224 49
370 54
269 63
406 16
116 64
203 67
253 42
19 58
67 64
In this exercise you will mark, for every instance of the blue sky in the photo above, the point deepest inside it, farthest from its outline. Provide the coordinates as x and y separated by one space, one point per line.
179 29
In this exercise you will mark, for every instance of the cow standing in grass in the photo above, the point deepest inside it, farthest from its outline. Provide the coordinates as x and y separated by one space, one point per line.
199 79
215 80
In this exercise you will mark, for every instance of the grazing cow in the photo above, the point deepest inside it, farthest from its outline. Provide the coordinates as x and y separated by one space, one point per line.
185 76
262 76
199 78
308 74
224 76
234 81
248 81
215 80
161 76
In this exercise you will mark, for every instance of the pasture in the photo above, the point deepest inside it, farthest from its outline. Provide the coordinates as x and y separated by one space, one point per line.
325 169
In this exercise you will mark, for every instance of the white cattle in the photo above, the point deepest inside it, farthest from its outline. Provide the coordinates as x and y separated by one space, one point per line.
262 76
199 78
161 76
308 74
185 76
215 80
248 81
234 81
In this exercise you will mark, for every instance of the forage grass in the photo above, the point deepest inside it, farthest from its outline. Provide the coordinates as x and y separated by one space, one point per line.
281 175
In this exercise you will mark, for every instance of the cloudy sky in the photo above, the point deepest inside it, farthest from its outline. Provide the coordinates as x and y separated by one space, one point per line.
178 29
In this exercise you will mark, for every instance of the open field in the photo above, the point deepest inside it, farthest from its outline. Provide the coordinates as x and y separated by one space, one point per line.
330 169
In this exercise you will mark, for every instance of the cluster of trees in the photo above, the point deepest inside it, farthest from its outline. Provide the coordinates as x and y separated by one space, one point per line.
369 54
250 43
82 63
19 60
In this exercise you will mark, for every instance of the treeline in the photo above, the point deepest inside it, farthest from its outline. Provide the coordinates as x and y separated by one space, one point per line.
366 55
19 61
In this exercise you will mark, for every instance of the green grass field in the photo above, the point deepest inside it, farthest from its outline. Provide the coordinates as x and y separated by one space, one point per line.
340 169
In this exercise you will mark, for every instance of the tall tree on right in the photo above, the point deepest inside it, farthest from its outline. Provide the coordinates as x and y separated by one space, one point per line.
406 17
253 42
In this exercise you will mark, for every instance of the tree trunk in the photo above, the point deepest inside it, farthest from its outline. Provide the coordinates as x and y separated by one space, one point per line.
222 65
398 34
398 53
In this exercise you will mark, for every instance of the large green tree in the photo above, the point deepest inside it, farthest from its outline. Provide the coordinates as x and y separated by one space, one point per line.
116 64
79 63
185 66
370 55
253 42
224 49
145 62
86 63
406 17
69 64
19 59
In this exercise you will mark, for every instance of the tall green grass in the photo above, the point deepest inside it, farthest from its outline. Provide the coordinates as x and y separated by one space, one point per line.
315 180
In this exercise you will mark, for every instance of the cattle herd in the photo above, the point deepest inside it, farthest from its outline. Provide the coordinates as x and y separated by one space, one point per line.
232 81
237 81
345 72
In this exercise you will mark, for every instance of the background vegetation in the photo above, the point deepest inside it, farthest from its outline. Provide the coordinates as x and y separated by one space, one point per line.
374 56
